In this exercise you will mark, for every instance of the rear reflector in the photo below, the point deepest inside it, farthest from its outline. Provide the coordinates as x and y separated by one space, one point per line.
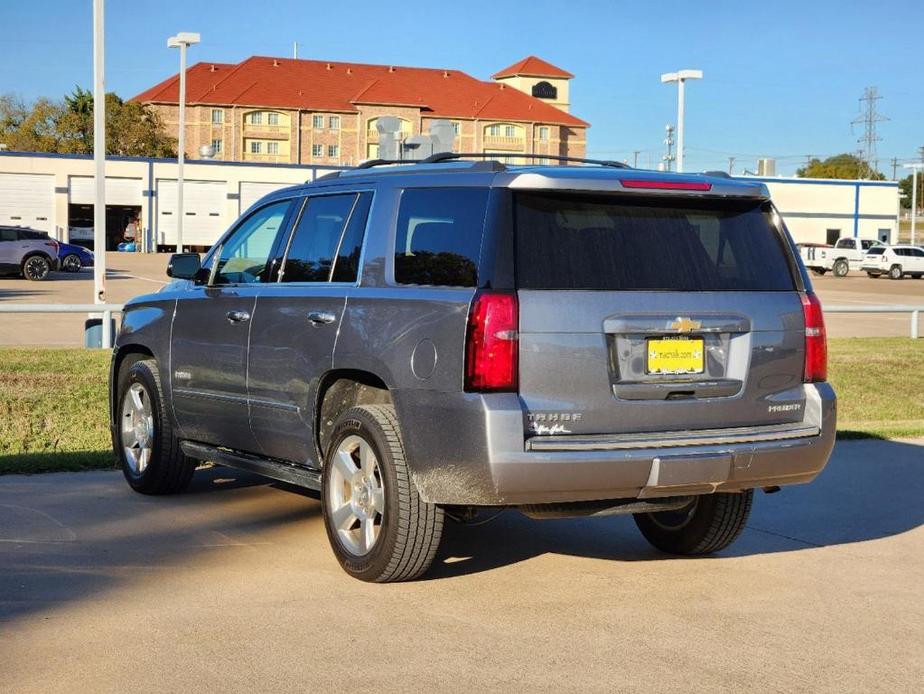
492 343
666 185
816 342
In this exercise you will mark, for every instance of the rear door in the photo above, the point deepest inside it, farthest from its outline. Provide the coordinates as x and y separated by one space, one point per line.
655 313
297 320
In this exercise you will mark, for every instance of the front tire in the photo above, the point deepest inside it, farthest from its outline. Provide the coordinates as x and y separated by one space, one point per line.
710 523
841 268
36 268
872 275
820 271
378 526
71 263
895 272
144 439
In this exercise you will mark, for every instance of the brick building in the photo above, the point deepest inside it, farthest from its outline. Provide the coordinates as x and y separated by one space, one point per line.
286 111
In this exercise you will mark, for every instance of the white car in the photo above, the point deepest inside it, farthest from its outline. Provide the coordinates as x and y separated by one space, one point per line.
894 261
847 254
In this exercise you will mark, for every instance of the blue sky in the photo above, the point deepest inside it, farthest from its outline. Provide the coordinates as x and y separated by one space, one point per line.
781 78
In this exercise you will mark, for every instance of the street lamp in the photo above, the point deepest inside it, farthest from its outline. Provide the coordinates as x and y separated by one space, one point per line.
680 78
914 195
183 40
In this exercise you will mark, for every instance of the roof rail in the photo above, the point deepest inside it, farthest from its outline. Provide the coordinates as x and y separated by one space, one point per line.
450 156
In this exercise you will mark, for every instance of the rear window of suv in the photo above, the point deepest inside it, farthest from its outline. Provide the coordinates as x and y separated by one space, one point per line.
877 250
571 241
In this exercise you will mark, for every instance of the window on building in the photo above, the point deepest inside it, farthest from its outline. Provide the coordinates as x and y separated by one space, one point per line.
256 147
272 119
544 132
317 122
216 145
456 128
333 151
256 118
317 151
494 130
510 131
218 116
272 148
333 122
439 236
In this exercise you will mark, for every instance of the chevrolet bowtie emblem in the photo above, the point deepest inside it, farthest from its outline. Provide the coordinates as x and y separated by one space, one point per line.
685 325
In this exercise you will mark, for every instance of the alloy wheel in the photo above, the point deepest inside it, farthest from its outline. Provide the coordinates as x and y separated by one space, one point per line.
137 428
36 268
356 495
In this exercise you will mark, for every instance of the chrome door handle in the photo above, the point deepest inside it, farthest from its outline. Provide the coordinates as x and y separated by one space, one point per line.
321 317
238 316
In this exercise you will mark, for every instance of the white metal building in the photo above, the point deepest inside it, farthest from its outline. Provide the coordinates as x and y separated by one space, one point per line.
822 210
55 193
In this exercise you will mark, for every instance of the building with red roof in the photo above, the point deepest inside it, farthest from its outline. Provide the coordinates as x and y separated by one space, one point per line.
278 110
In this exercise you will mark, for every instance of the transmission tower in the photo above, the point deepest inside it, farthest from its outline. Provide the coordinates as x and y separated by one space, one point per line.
869 117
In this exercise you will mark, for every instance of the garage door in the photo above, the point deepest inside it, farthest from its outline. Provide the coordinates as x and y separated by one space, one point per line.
204 204
252 191
119 191
28 200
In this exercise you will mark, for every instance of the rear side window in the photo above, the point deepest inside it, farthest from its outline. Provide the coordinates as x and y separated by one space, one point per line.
314 243
568 241
438 238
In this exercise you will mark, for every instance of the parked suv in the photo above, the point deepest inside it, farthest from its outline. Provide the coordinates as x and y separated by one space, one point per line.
26 252
895 261
418 342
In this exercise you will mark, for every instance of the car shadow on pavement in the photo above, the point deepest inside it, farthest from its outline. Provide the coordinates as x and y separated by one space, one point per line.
871 489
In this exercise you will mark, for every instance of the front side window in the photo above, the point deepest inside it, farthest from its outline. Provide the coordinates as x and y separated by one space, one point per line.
317 121
244 255
311 253
439 236
218 116
8 235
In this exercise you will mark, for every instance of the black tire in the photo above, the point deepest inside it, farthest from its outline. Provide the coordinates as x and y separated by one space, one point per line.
872 275
841 268
895 272
819 271
410 528
709 524
36 268
168 470
71 263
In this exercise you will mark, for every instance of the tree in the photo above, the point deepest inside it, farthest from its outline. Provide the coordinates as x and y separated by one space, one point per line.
66 127
905 186
839 166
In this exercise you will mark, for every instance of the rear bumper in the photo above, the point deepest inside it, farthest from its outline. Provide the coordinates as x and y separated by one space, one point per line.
484 459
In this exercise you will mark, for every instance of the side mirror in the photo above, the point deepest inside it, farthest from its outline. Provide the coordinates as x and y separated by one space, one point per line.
184 266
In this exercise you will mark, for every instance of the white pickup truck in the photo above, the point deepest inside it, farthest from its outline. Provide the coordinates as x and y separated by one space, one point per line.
847 254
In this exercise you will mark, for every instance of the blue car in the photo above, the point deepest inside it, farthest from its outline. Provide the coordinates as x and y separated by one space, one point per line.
74 257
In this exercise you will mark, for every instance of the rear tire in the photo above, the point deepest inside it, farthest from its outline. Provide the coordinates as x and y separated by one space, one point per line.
841 268
872 275
144 439
378 526
710 523
36 268
895 272
71 263
819 271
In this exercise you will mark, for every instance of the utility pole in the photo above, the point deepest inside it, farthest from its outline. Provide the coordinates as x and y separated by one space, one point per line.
669 141
99 162
731 165
869 117
894 168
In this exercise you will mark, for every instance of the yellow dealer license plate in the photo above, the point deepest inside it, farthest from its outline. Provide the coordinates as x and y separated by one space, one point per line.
676 356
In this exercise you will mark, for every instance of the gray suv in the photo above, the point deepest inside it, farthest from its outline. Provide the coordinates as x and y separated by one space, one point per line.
28 253
424 341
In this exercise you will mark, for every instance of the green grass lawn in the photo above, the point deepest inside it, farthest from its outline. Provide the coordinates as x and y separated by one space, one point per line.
53 411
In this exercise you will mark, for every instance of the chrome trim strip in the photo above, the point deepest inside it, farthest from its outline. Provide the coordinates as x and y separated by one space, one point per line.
672 439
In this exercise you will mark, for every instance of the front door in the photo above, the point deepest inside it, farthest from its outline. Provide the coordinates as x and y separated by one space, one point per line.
211 329
297 321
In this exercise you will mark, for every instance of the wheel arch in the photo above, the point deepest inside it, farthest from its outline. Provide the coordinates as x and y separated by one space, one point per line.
339 390
127 353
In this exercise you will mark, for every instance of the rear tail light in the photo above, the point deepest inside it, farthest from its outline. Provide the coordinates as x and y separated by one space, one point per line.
816 344
492 343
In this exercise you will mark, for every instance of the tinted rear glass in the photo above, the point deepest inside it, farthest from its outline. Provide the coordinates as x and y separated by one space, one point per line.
568 241
878 250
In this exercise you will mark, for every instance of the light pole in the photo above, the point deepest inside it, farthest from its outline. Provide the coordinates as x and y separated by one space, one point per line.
680 78
99 161
914 195
183 40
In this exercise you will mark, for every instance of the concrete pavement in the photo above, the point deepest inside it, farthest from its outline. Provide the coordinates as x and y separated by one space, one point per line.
232 587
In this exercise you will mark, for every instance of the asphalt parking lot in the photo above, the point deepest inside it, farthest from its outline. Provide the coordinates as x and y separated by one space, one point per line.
232 587
131 274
